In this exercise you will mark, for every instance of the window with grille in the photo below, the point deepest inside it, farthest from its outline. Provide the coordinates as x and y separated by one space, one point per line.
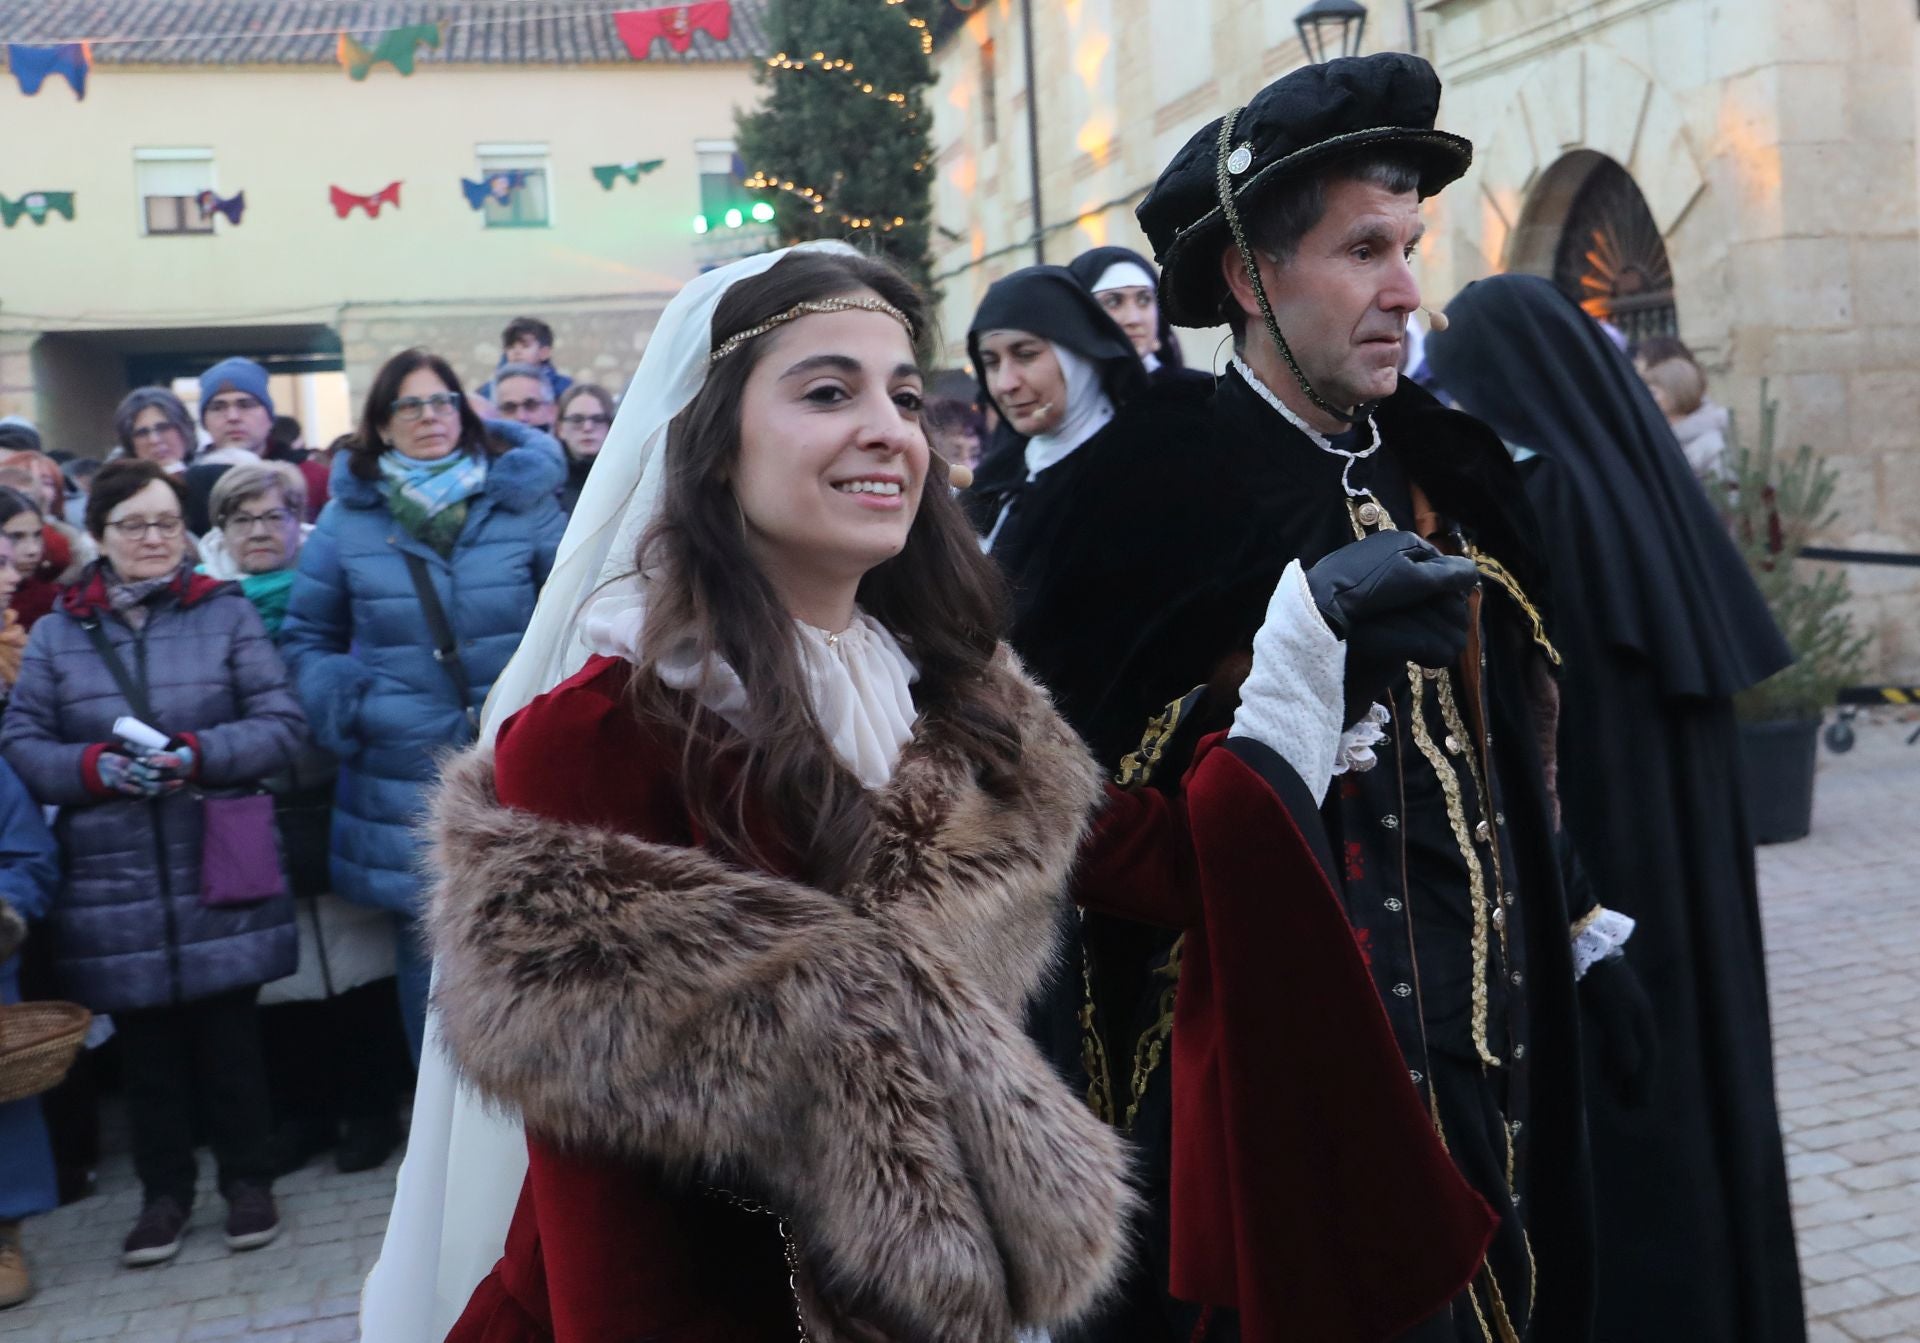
521 180
169 183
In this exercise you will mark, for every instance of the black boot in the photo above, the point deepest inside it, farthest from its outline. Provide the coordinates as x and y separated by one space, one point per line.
366 1143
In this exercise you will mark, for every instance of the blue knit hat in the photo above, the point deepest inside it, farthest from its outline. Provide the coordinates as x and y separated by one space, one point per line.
234 375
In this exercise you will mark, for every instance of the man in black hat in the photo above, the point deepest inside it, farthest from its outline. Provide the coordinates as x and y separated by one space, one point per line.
1294 220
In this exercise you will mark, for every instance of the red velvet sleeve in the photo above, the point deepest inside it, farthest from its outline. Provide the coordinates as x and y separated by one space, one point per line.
1138 861
578 754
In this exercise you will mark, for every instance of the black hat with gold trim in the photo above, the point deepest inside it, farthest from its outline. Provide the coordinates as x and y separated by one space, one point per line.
1293 127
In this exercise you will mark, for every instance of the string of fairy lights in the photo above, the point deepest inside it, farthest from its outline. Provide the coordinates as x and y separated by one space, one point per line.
820 61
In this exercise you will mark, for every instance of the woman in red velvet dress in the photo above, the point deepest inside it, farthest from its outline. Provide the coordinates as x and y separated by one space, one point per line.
741 919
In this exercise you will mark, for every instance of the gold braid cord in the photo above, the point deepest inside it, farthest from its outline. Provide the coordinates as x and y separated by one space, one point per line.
1497 571
1463 838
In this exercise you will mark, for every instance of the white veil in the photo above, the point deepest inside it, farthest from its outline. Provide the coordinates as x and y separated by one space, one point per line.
446 1233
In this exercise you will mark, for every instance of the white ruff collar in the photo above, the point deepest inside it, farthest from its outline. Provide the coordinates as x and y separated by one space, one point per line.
859 678
1319 440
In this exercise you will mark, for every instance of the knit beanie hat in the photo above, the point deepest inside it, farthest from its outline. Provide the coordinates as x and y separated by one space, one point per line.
234 375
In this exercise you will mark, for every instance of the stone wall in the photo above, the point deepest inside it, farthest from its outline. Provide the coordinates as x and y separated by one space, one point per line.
593 342
1774 143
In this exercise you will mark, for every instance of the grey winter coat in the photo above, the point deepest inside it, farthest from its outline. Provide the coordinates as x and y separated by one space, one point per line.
129 931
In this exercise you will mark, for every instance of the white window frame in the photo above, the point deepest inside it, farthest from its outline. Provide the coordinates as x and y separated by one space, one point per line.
171 154
533 156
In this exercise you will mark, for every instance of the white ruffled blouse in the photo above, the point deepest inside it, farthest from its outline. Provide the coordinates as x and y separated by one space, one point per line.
861 679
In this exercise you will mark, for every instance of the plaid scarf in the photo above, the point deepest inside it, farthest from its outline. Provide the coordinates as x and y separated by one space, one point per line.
430 499
128 599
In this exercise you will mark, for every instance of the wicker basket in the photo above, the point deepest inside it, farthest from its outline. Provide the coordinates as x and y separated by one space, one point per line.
38 1042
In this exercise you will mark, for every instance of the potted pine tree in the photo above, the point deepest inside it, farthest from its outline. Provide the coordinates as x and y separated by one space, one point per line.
1774 503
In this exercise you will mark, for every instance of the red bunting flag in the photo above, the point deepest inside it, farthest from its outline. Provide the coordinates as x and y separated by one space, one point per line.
344 201
675 23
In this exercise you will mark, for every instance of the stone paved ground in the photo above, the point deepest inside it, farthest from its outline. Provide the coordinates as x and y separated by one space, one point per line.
303 1288
1844 947
1842 911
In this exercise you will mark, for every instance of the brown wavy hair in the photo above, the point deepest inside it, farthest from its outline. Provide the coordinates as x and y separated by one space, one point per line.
943 600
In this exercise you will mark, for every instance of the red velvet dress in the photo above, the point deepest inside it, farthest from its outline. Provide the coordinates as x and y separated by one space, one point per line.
1309 1191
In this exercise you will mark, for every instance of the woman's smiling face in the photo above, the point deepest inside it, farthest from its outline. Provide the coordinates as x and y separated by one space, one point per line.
832 453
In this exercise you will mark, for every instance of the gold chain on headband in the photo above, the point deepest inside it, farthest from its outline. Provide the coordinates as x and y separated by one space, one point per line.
739 338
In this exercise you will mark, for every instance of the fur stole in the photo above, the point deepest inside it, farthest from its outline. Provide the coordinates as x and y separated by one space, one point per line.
853 1057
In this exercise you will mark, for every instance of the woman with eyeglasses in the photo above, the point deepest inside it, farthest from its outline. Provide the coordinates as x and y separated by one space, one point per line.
585 414
413 591
134 931
153 425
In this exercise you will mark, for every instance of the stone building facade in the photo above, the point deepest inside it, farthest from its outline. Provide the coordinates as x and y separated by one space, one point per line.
1741 174
253 99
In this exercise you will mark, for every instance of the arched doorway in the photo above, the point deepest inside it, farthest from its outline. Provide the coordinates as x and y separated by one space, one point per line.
1587 228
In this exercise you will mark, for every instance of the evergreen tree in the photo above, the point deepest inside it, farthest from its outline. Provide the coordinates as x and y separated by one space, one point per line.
865 162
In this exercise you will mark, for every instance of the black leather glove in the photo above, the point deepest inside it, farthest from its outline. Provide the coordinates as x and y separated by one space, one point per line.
1622 1032
1394 599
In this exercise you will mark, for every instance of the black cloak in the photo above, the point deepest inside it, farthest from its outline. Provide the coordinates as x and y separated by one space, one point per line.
1074 574
1659 625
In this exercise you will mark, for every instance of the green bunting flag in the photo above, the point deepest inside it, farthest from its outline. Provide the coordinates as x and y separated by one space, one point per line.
396 48
36 205
606 174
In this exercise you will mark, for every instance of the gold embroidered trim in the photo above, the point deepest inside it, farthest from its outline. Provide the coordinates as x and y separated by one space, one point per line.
1497 571
1456 724
1139 764
1463 838
818 305
1093 1051
1152 1044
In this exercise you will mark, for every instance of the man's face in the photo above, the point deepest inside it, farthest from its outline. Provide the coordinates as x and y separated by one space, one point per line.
1343 300
237 420
525 400
528 350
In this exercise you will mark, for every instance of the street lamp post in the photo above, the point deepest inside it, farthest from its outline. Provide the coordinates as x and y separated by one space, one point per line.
1330 28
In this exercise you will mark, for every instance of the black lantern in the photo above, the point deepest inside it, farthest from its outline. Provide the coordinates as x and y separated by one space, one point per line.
1330 28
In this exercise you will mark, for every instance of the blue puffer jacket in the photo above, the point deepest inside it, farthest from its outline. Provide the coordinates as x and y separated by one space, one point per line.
128 928
363 660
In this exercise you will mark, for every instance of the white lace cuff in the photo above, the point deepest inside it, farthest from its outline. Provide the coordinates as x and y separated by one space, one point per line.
1357 742
1293 697
1601 935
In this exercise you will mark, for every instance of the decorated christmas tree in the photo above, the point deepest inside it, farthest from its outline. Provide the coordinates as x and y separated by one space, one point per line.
842 145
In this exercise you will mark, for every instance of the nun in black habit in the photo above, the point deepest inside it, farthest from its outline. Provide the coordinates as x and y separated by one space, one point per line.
1660 626
1084 427
1128 287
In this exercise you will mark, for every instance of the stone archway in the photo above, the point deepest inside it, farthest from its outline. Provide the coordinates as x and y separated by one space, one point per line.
1588 143
1587 227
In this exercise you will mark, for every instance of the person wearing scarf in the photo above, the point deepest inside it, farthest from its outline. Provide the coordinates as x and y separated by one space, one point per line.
427 493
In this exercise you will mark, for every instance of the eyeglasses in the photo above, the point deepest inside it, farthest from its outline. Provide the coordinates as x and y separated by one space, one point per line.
273 520
220 405
413 407
515 407
136 529
156 430
582 421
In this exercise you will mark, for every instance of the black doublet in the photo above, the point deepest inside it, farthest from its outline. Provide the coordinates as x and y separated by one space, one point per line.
1261 495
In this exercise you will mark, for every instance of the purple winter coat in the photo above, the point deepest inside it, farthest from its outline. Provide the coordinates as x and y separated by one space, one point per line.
128 928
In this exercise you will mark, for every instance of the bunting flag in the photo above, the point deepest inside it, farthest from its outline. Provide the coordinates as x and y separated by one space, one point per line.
676 23
344 201
36 205
232 207
606 174
31 65
396 48
497 187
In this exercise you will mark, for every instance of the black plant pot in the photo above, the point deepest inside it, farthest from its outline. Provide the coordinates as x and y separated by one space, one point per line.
1777 761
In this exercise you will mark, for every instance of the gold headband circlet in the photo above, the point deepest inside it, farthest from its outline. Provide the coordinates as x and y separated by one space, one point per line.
818 305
